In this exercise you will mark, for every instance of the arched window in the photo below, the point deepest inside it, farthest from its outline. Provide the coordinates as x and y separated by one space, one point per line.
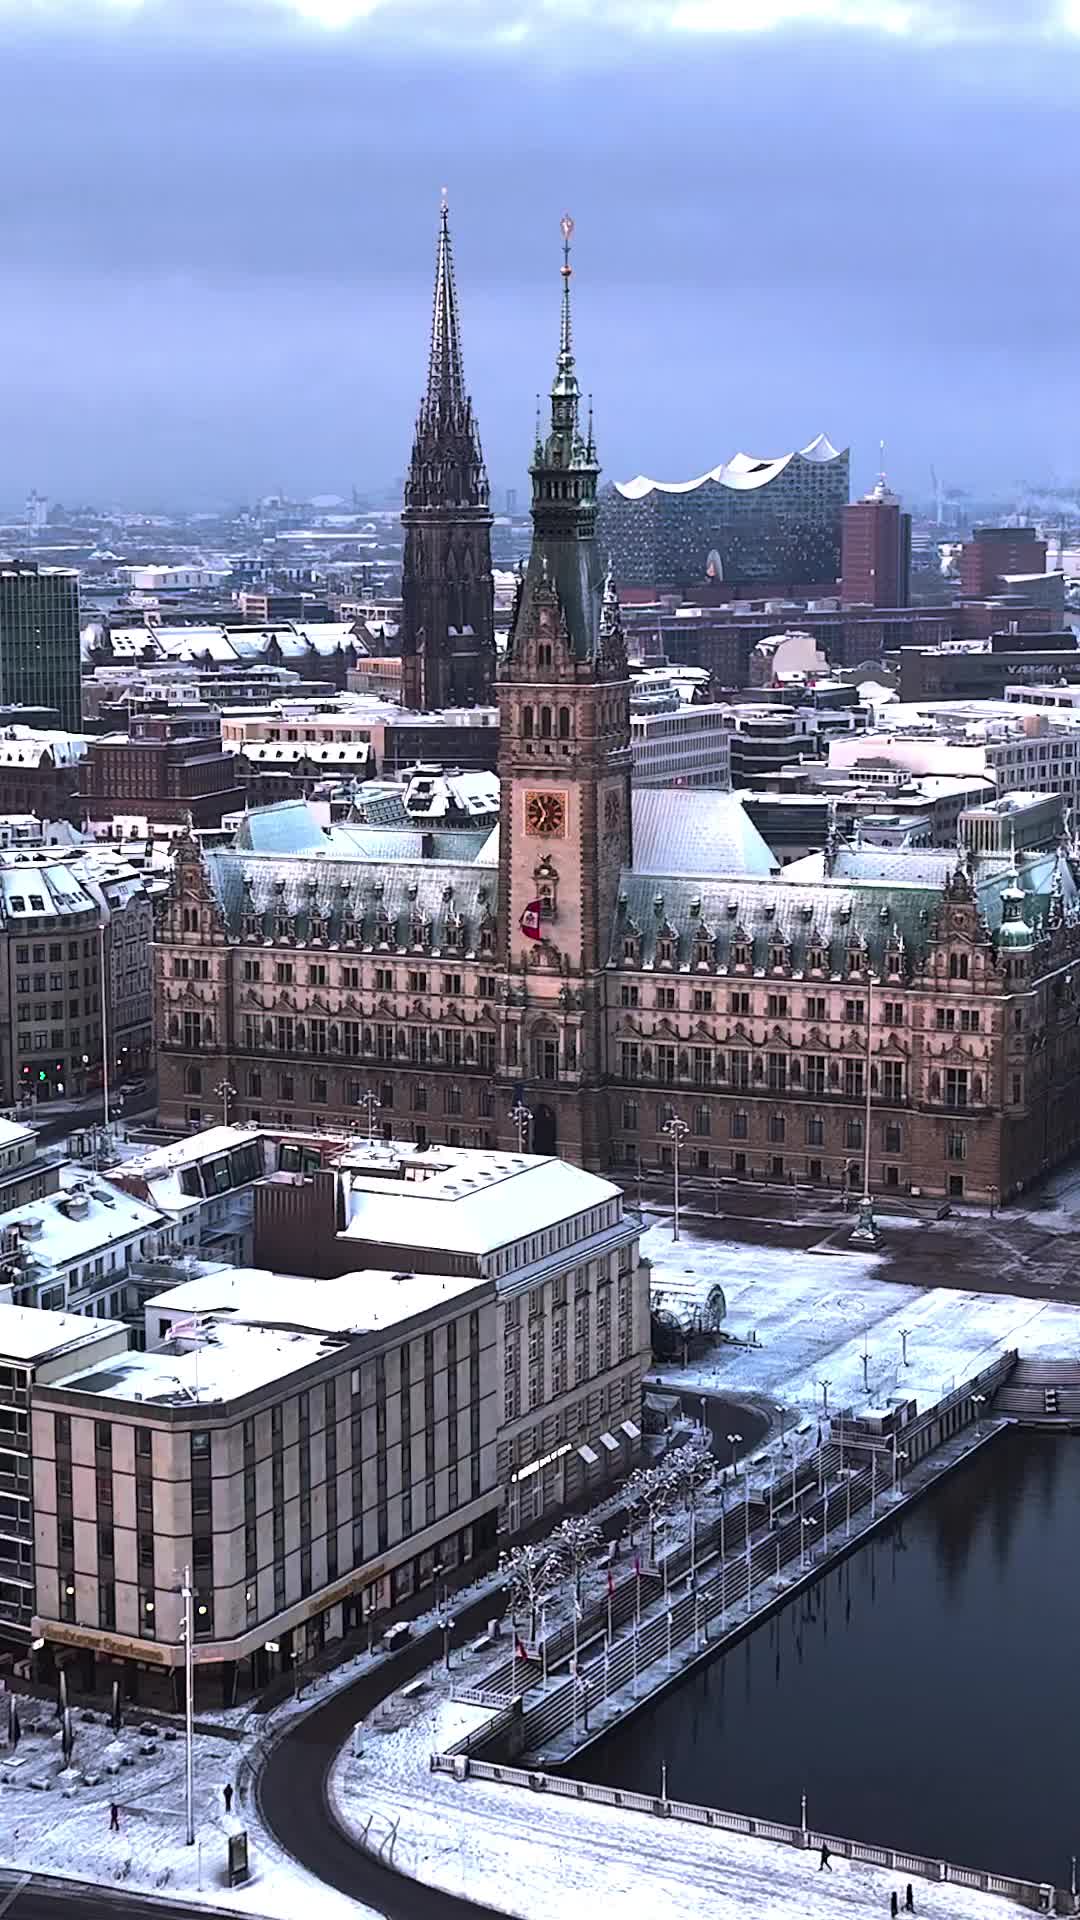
564 723
545 723
527 723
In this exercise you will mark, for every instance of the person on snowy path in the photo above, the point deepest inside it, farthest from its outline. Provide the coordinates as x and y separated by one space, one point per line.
909 1899
227 1792
114 1817
824 1861
894 1903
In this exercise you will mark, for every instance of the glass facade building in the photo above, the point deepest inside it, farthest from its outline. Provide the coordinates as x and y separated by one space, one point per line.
758 525
39 639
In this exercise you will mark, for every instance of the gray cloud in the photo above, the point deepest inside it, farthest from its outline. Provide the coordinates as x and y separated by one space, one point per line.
217 260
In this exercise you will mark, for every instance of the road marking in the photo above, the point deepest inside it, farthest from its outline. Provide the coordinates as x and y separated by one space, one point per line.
14 1892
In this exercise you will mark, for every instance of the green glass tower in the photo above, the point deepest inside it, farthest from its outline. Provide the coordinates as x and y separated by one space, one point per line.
39 639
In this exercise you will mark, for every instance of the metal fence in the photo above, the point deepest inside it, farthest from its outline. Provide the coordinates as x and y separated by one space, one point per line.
1029 1893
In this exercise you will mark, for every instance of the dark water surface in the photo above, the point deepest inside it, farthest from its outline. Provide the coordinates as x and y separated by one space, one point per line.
925 1694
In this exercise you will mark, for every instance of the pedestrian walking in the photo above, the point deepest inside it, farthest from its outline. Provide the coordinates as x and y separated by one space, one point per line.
114 1817
227 1792
909 1899
824 1861
894 1903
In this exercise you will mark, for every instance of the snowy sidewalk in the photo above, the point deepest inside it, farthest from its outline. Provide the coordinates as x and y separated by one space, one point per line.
532 1856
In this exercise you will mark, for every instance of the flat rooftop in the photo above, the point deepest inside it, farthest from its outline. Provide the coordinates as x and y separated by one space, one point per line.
459 1198
33 1334
350 1304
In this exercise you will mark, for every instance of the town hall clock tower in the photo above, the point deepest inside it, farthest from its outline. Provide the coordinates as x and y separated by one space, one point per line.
564 766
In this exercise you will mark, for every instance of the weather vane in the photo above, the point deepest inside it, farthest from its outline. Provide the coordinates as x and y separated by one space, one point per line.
566 228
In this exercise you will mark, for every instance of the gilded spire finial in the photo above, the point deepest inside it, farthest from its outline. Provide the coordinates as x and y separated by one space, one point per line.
566 347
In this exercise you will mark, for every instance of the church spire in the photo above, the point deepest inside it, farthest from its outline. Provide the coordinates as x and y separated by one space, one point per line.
447 466
446 379
447 627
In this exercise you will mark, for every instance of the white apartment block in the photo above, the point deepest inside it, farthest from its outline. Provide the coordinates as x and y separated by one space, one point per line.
688 748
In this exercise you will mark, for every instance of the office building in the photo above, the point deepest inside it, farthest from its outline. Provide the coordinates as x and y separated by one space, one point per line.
875 551
993 553
690 747
39 639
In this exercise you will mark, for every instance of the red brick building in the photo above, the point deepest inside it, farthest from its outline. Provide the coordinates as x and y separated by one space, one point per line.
171 765
992 553
875 551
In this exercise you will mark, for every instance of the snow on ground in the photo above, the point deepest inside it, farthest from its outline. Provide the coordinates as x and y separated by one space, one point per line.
64 1827
519 1851
815 1314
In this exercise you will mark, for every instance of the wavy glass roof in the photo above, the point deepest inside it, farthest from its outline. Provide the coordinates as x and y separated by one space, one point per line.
743 472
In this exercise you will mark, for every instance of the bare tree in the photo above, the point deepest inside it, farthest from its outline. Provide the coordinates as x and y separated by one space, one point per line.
650 1492
689 1466
532 1573
577 1540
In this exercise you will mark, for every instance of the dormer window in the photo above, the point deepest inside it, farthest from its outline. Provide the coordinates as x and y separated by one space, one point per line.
740 954
778 956
818 960
665 951
630 948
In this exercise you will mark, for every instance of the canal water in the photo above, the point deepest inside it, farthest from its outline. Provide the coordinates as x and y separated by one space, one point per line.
924 1694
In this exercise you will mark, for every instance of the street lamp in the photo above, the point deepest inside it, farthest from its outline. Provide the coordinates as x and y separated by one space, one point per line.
370 1103
677 1131
807 1522
978 1401
824 1385
187 1629
903 1345
865 1229
448 1624
733 1440
225 1092
522 1118
898 1454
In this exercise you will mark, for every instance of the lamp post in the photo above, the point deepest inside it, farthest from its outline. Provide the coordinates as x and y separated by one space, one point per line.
898 1454
865 1229
187 1594
522 1119
903 1346
978 1401
447 1623
370 1103
825 1385
677 1131
807 1522
733 1441
225 1092
105 1063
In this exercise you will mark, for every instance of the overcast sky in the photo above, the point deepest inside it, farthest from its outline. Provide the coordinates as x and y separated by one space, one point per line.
218 221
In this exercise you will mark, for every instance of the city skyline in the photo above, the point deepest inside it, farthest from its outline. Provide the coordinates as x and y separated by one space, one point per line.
775 238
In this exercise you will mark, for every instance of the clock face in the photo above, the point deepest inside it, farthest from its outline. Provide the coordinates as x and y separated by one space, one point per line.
545 815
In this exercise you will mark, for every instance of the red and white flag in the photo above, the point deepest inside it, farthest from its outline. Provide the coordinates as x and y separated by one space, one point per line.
610 1583
520 1650
637 1565
530 921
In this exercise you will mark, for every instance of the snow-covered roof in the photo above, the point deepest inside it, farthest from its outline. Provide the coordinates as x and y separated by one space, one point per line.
86 1215
351 1303
232 1362
33 1334
743 472
470 1202
14 1134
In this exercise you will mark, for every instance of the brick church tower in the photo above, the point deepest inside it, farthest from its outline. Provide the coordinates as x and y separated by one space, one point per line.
564 767
447 631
